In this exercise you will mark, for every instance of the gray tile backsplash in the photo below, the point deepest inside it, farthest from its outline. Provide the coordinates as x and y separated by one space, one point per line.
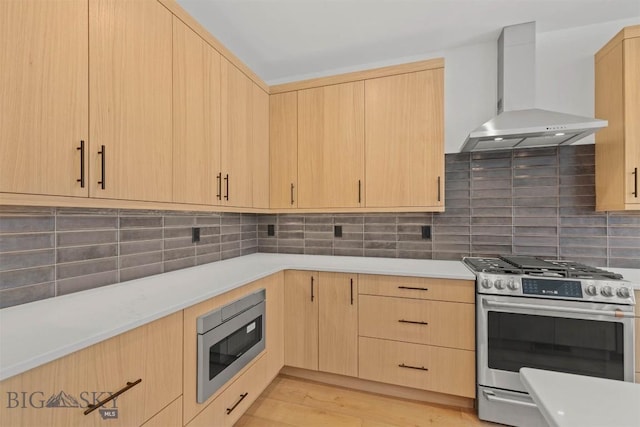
46 252
535 202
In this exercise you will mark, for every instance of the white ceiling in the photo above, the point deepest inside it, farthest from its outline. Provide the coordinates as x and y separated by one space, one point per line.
287 40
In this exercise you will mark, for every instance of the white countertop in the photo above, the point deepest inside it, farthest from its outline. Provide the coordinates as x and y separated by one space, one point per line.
631 275
568 400
39 332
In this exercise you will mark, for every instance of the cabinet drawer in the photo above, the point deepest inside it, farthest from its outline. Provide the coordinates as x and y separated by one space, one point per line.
418 287
57 394
445 324
250 385
169 416
449 371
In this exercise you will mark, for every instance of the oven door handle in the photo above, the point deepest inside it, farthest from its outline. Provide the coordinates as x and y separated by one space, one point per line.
613 313
492 397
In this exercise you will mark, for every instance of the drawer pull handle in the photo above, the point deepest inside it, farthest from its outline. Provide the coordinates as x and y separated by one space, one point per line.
420 368
242 396
415 322
91 408
81 149
412 288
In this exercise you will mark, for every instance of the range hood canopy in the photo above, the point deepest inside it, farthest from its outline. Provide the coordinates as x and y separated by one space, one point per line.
518 123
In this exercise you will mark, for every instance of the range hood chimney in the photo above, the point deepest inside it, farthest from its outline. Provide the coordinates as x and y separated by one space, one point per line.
518 123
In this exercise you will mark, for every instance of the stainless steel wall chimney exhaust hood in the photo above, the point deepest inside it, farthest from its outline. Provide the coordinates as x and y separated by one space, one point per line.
518 123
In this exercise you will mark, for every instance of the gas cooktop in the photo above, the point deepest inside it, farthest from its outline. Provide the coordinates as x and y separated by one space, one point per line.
534 266
532 277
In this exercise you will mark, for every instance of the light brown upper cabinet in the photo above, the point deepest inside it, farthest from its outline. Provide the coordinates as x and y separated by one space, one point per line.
617 75
130 81
405 140
283 157
260 147
196 118
44 97
331 146
237 134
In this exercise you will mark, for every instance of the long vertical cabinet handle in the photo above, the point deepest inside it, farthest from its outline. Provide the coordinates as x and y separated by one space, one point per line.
359 191
351 291
81 149
312 288
102 181
292 187
219 182
635 182
439 191
226 180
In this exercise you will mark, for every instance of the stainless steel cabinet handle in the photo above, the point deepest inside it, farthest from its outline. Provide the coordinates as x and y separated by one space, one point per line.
235 405
81 149
499 304
102 154
491 396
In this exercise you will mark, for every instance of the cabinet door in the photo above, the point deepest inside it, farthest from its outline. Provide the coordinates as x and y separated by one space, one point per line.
283 138
196 118
58 393
301 300
331 146
632 119
405 140
338 325
130 63
43 96
260 147
236 158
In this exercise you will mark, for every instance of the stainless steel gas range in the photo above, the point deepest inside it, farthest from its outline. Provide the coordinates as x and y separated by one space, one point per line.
546 314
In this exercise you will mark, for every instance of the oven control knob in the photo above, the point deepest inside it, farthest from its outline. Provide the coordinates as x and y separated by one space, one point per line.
623 292
499 284
591 290
513 285
606 291
486 283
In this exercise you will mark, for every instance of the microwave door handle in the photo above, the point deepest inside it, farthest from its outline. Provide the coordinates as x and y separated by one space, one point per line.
492 397
500 304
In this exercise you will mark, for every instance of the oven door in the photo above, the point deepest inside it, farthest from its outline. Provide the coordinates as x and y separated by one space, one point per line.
227 348
567 336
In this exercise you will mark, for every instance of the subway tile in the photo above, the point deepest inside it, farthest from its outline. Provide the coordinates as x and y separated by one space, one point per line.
441 219
348 244
624 242
459 212
576 149
456 185
207 249
318 219
267 218
309 243
290 227
208 220
140 221
26 294
248 250
490 240
456 166
180 263
379 219
268 249
248 219
536 231
536 192
290 250
128 248
290 219
622 220
457 176
318 251
451 238
545 212
535 173
230 219
457 157
578 210
422 245
86 222
625 253
17 260
179 220
377 228
450 256
445 229
504 221
496 163
542 251
624 232
380 253
341 219
451 247
209 231
547 161
230 237
582 241
492 230
25 242
319 228
579 160
140 271
534 182
26 224
415 218
170 233
500 174
348 251
583 231
140 259
76 269
535 202
230 246
78 238
208 258
578 180
534 152
140 234
9 210
86 281
248 228
490 249
490 184
289 235
535 240
624 262
456 194
497 154
570 252
491 202
493 212
26 276
385 237
414 254
592 261
83 253
380 245
172 254
230 229
577 169
572 201
410 229
580 221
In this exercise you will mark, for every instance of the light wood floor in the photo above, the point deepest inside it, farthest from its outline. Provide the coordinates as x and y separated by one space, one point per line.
291 401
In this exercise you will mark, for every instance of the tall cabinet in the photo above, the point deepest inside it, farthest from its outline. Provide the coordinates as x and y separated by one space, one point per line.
44 97
617 76
130 81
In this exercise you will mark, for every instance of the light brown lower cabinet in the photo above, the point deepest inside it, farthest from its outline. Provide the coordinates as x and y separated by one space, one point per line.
169 416
229 406
440 369
57 393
